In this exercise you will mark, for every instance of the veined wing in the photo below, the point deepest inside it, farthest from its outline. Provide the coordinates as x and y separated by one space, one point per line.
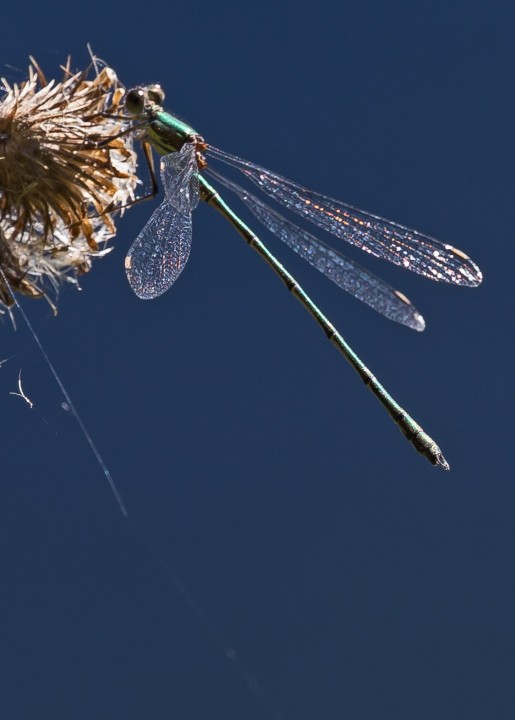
375 235
347 274
158 255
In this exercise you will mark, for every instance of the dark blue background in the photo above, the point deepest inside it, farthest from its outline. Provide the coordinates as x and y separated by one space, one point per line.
353 578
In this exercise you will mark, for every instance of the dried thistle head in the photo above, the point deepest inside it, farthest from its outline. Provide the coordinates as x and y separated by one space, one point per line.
64 169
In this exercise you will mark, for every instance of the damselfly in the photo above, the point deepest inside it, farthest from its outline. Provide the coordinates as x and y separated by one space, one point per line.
161 250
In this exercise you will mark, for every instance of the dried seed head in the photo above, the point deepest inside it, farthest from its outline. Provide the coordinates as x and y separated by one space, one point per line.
64 169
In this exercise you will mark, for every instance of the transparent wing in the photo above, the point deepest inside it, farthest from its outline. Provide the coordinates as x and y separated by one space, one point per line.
158 255
347 274
377 236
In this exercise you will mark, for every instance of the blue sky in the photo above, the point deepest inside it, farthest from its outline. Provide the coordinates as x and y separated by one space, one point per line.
354 579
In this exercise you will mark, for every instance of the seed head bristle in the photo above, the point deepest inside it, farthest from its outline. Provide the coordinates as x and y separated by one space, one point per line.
65 168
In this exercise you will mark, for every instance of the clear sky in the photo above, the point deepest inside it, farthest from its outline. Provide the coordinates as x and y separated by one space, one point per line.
354 579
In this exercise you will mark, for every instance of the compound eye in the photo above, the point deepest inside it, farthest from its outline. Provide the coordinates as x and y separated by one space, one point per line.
135 101
156 94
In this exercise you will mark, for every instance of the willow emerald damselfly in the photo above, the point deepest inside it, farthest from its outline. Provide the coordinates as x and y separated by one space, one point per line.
161 250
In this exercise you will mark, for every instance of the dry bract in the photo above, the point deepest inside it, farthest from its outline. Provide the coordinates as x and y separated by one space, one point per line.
64 170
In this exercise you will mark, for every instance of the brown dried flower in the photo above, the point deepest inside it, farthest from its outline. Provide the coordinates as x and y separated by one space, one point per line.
64 169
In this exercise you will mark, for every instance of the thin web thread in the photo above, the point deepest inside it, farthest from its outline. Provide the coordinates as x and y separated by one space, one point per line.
218 639
71 405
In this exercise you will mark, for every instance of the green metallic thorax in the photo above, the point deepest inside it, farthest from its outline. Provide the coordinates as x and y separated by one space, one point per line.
167 133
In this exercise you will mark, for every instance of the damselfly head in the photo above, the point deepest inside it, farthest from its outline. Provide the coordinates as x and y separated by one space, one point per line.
138 98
